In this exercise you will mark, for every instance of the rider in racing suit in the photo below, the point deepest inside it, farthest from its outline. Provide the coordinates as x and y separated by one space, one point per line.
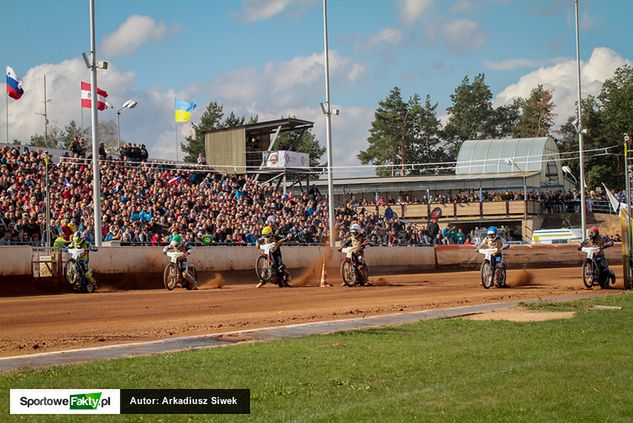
602 242
493 240
356 240
79 241
268 237
178 244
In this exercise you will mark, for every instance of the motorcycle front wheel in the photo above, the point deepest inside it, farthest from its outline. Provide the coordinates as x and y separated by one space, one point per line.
348 274
70 274
588 274
486 273
263 268
170 276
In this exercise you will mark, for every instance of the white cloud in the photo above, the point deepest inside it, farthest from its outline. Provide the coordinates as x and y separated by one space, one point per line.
388 36
283 82
463 35
511 64
462 6
133 33
412 10
256 10
561 78
293 87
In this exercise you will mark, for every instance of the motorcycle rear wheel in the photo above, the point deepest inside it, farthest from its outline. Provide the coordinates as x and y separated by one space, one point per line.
194 274
348 274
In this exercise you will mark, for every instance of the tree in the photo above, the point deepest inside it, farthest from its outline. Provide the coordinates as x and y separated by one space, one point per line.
471 116
537 116
211 119
385 134
506 118
53 140
598 168
425 133
71 130
107 133
308 143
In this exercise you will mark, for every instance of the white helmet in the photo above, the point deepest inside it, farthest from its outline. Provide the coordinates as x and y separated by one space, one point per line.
355 229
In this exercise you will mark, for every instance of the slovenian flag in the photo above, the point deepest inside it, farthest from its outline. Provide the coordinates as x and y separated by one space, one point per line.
14 85
174 181
86 94
183 110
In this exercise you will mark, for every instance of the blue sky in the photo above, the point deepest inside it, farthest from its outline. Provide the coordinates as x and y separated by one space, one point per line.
265 57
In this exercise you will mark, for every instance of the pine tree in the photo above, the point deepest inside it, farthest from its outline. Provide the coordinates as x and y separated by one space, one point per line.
425 133
210 119
386 133
537 116
471 115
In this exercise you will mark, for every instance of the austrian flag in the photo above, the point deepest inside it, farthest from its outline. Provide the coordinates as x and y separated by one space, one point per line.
86 94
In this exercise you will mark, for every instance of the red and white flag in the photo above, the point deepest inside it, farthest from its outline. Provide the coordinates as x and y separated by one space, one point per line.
86 94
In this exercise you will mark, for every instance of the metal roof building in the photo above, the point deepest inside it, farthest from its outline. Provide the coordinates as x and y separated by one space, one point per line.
510 164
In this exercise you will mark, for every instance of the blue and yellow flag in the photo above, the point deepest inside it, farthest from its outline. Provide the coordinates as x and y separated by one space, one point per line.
183 110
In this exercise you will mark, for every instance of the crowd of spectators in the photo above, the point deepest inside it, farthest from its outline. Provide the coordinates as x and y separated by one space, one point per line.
553 201
144 203
134 152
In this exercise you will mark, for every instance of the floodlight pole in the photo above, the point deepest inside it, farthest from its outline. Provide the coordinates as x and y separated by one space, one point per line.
96 178
581 144
328 127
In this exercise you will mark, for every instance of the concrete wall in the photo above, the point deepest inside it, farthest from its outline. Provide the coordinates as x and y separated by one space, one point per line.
521 256
16 261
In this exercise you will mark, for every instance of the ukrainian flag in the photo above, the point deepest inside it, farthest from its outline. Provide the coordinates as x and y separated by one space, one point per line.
183 110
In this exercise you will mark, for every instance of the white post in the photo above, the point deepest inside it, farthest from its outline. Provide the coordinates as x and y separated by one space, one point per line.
6 95
581 144
328 126
96 177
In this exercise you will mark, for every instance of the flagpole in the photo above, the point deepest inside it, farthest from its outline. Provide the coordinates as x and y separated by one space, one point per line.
6 95
96 177
177 143
48 207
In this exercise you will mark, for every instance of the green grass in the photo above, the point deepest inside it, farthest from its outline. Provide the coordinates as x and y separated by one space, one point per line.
574 370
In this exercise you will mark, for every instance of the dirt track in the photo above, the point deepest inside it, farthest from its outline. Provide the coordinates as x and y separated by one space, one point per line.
33 324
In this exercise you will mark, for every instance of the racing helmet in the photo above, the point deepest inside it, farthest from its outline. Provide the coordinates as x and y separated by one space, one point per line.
177 239
593 232
354 229
267 232
77 237
492 232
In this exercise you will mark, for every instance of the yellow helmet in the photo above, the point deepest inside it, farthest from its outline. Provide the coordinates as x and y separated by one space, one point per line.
267 231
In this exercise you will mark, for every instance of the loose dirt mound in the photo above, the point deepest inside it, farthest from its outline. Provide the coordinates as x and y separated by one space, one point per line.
312 275
519 314
215 282
523 278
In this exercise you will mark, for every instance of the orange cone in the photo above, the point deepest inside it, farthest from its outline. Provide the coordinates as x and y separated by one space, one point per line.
324 276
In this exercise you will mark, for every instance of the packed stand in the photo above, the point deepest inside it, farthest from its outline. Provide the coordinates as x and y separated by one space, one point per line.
144 204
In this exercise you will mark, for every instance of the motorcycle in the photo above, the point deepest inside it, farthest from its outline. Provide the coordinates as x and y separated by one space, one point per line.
591 273
354 272
74 272
172 276
488 279
265 267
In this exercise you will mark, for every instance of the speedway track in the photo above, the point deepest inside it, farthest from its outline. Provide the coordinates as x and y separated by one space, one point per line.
52 322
